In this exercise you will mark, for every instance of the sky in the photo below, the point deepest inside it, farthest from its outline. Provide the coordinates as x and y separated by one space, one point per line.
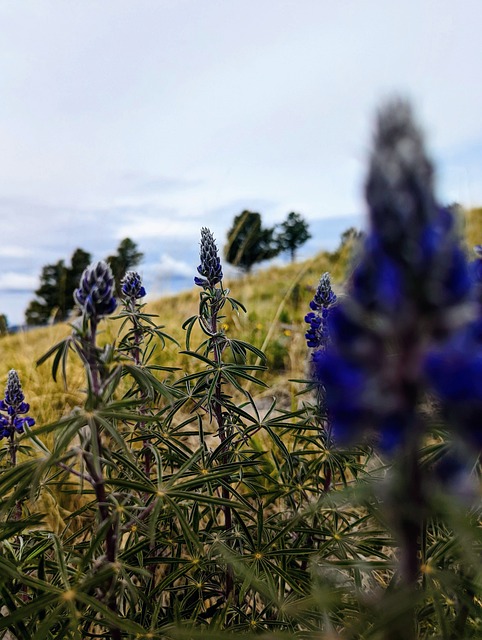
150 119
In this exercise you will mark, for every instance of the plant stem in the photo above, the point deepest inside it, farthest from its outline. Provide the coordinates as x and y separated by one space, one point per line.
12 446
223 435
94 467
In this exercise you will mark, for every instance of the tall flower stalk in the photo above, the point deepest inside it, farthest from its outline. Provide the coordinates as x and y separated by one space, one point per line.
317 335
14 405
410 288
95 298
15 420
317 339
132 292
213 298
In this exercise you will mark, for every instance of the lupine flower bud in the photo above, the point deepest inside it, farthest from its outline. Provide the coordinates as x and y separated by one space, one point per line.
95 295
317 334
132 286
15 406
210 267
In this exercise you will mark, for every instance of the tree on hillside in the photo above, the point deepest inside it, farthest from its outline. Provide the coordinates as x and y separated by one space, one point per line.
54 297
351 235
126 258
3 324
293 234
51 295
79 261
248 242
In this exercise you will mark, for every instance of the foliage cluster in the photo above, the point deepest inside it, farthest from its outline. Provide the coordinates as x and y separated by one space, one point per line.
249 242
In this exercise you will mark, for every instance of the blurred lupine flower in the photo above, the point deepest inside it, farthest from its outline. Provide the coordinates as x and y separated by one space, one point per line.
411 286
476 274
132 286
15 406
95 295
454 369
317 334
210 267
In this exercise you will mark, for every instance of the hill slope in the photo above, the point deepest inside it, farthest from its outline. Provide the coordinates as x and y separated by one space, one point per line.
276 300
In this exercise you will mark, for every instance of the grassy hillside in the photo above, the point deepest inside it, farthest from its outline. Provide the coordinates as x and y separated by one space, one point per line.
472 226
190 508
276 299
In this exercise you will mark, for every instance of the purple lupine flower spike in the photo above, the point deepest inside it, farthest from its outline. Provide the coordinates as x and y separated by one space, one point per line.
95 295
210 267
132 287
317 334
15 406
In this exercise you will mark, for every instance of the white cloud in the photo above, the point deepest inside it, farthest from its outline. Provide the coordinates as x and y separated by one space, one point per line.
169 266
13 251
157 228
11 281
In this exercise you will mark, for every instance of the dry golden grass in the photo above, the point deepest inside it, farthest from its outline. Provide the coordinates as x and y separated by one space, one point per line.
473 227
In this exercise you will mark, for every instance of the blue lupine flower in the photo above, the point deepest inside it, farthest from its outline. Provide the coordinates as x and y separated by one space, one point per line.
210 267
454 368
15 406
317 334
409 287
132 286
95 295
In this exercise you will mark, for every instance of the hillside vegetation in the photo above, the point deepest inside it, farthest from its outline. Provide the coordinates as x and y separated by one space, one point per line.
276 299
178 484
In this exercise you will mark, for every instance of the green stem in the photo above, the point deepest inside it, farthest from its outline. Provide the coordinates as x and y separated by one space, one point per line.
95 469
223 435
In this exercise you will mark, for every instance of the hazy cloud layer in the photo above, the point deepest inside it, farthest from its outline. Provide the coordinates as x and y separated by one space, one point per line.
150 119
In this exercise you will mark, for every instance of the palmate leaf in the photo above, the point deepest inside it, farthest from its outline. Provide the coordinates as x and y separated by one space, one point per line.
188 326
199 356
136 487
10 570
149 384
241 347
16 483
128 464
33 558
108 617
11 528
59 621
232 372
60 351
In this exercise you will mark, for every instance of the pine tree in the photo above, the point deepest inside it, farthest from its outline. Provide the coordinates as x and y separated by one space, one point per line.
54 297
126 258
294 233
248 242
